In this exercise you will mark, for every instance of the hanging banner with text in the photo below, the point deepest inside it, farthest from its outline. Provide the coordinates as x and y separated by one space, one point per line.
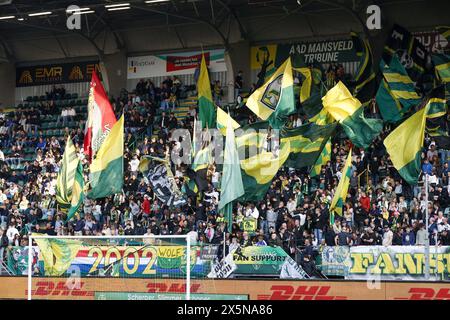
386 263
56 73
174 64
331 51
115 261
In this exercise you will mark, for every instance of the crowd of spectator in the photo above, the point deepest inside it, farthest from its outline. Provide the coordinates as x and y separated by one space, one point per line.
381 209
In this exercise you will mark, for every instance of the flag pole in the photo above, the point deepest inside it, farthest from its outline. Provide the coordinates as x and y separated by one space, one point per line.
427 240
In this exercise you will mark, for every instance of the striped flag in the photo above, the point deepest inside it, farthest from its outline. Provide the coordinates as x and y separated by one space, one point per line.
323 159
77 192
342 189
396 94
66 176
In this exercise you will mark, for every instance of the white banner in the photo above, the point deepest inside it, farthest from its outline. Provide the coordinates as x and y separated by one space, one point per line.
224 268
174 64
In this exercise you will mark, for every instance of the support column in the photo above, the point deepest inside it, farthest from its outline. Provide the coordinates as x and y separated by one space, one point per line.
115 77
238 58
7 84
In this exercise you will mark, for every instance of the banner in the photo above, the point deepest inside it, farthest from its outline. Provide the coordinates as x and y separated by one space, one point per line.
249 225
174 64
224 268
133 261
334 261
264 260
18 259
141 296
163 185
386 263
329 51
56 73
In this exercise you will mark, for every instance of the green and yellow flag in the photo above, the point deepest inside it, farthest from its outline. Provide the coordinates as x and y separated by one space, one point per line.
66 176
259 170
404 146
437 124
275 100
323 159
349 112
231 187
306 143
396 94
206 108
365 77
342 189
58 254
222 120
77 192
106 170
311 91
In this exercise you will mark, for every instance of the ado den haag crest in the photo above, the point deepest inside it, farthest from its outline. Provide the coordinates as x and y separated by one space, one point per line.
272 93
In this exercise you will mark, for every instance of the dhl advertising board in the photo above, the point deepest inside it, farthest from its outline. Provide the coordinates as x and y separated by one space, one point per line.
56 73
148 289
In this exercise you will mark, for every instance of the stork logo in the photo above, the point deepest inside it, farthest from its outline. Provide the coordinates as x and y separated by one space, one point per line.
73 17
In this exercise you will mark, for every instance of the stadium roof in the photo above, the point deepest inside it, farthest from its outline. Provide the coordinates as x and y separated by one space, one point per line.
25 20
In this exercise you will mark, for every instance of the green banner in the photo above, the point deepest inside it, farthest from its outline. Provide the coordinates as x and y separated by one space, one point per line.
259 260
165 296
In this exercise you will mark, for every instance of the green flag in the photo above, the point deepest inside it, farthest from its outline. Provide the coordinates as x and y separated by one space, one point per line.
365 77
77 192
231 186
323 159
437 124
275 100
66 176
206 108
396 94
306 143
404 146
342 189
106 170
349 112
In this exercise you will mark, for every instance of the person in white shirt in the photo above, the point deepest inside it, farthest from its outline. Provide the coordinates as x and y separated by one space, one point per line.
193 235
11 233
252 212
291 205
387 236
134 164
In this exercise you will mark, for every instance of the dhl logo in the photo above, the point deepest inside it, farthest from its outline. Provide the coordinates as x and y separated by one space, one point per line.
427 294
285 292
50 288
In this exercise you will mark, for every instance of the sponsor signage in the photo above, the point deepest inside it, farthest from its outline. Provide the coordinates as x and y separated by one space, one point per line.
88 288
174 64
56 73
140 296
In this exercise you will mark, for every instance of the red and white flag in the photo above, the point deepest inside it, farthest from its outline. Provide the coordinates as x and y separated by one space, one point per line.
100 119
